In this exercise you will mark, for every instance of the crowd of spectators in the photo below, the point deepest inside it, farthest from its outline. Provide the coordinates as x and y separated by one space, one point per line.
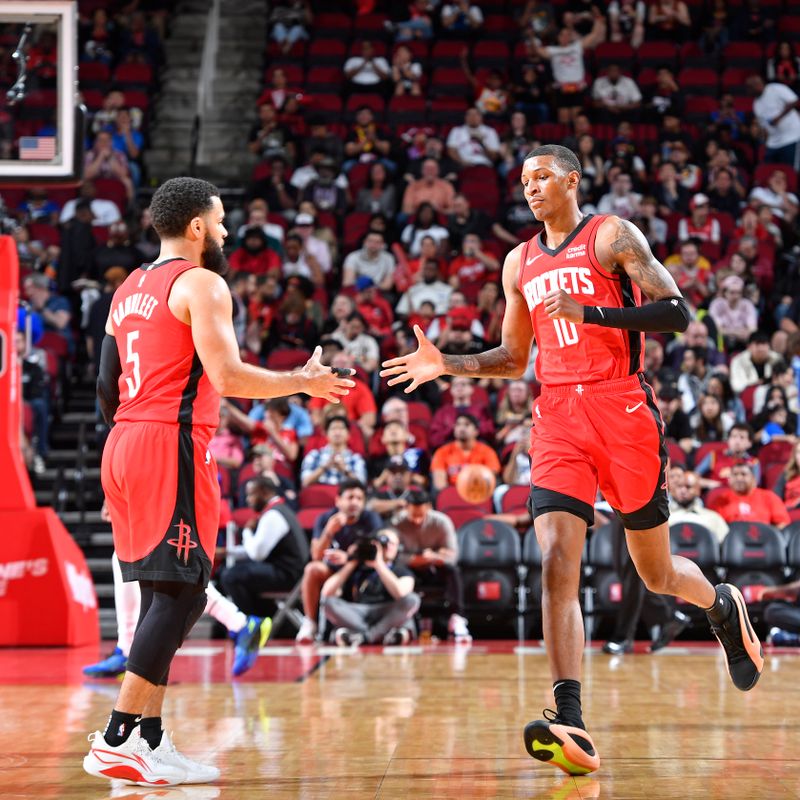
387 194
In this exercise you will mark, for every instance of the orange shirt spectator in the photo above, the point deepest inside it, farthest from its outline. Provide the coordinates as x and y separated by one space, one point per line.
466 449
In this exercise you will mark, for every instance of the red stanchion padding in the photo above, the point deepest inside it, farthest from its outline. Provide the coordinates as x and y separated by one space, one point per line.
47 594
15 487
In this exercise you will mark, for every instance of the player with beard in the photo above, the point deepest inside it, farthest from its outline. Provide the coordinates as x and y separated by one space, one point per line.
577 288
169 352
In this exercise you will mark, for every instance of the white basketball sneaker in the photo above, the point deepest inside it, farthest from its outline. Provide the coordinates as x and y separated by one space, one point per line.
307 632
458 628
195 771
131 762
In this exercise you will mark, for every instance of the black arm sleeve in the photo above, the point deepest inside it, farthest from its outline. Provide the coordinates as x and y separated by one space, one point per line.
108 379
661 316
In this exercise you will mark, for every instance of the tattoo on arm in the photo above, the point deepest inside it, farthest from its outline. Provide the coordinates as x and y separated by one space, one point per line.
495 363
635 258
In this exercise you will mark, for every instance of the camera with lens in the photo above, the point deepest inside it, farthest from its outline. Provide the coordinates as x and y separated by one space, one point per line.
367 546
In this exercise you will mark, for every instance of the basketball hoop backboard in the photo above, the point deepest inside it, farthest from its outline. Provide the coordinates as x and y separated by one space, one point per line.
41 124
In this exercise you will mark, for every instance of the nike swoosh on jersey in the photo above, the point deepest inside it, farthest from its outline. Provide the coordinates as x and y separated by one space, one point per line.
531 260
630 410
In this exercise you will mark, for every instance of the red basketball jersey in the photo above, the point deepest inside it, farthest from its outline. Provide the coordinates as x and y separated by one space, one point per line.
570 353
162 378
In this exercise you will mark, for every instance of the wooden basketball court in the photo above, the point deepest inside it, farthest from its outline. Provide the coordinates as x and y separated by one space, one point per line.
407 723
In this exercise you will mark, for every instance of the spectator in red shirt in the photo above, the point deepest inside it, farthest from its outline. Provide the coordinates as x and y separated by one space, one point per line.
255 256
373 307
744 502
715 469
359 405
443 423
472 268
699 224
466 449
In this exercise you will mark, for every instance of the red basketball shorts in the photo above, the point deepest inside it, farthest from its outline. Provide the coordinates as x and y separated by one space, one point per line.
608 435
163 496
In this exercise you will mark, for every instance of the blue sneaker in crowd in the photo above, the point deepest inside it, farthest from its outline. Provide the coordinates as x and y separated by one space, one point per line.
781 638
248 641
109 667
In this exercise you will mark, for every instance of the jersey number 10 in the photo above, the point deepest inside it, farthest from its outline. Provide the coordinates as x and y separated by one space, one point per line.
566 332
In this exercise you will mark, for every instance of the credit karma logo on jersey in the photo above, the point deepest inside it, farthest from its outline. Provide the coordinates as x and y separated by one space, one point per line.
81 587
17 570
573 280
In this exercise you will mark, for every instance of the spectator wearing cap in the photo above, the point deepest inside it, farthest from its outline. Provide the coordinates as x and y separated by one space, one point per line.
699 224
390 488
325 191
430 188
371 260
472 267
334 462
429 548
312 244
460 316
373 307
616 96
275 547
359 405
735 316
775 108
715 469
753 365
743 501
358 343
254 256
450 458
298 261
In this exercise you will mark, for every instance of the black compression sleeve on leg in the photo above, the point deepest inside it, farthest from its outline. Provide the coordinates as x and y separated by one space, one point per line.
173 611
667 315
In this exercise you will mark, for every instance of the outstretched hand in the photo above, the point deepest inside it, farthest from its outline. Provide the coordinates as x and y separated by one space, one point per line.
423 365
326 382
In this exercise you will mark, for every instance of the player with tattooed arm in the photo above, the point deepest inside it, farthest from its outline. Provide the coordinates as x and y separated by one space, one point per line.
577 287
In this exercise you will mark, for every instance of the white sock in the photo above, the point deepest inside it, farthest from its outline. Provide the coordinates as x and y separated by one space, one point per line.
223 610
127 598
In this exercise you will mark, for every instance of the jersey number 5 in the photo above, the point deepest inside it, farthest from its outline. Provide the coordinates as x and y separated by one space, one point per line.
566 332
135 381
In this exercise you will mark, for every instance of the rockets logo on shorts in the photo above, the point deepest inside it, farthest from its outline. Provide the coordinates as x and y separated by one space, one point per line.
183 544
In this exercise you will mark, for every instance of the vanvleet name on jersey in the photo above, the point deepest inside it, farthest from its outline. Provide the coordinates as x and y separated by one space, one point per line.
140 303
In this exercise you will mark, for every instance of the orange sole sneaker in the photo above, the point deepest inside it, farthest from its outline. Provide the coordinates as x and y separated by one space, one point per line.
553 743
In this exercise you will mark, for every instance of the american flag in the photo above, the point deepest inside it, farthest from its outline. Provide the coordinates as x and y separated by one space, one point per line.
37 148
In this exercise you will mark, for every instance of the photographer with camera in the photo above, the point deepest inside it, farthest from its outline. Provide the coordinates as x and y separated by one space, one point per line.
371 598
334 532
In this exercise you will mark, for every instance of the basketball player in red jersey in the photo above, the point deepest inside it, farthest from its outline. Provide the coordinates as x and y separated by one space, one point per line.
169 353
577 288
